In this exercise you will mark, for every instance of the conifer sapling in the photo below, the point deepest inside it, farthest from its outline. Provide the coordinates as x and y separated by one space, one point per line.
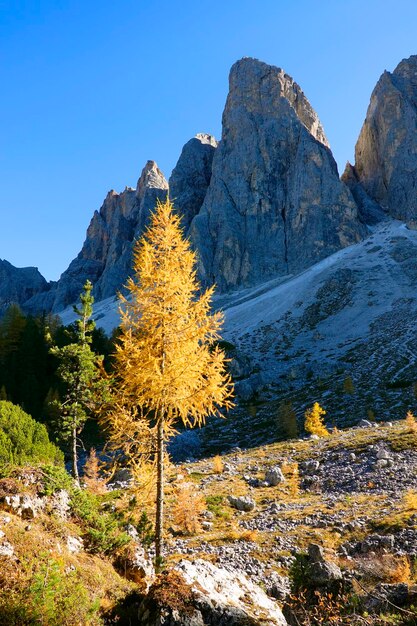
314 423
81 374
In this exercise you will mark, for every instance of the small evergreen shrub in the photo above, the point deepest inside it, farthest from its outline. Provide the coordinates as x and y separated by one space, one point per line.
24 441
56 478
145 531
101 528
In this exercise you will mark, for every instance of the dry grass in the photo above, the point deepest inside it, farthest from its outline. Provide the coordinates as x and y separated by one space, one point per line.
299 504
292 474
241 534
410 500
387 568
45 579
171 592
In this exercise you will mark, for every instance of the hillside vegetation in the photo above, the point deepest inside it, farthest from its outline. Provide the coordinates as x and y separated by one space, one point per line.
69 559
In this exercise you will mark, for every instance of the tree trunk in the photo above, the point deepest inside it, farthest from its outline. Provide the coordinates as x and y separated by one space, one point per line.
74 456
159 525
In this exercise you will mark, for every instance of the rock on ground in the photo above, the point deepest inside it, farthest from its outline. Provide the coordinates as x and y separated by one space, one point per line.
198 593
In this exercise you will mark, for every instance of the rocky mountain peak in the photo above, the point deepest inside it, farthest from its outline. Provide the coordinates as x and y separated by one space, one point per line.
106 255
386 150
257 86
205 138
191 176
407 68
17 285
151 178
275 204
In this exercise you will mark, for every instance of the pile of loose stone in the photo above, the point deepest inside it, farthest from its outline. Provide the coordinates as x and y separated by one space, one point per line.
337 474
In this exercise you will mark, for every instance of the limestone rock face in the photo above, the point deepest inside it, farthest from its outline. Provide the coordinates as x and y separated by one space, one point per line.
275 203
19 284
191 176
370 212
386 151
106 256
205 595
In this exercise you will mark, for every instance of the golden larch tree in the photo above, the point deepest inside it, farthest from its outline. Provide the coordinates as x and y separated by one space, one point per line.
314 423
169 369
411 422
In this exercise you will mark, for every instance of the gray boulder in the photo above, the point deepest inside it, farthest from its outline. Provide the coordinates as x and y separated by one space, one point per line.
386 150
191 176
135 564
274 476
277 586
74 544
242 503
205 595
275 203
6 549
322 573
385 595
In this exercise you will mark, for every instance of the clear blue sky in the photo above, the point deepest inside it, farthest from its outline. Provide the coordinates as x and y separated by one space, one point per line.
92 89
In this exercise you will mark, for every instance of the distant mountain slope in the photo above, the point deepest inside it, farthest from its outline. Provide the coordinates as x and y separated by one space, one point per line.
19 284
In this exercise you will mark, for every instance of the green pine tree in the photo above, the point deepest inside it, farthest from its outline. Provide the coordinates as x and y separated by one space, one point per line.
80 372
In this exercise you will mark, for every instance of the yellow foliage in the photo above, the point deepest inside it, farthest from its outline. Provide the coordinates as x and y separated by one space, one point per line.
410 500
293 478
91 474
401 571
169 368
410 422
389 568
188 508
167 360
314 423
242 534
218 466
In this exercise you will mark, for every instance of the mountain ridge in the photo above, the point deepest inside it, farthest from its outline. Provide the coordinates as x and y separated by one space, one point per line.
270 190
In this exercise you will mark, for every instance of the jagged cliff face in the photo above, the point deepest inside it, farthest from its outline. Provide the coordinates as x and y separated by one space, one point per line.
386 151
191 176
106 256
17 285
275 204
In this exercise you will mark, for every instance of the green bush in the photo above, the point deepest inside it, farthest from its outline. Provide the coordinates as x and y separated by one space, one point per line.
102 530
23 440
56 478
